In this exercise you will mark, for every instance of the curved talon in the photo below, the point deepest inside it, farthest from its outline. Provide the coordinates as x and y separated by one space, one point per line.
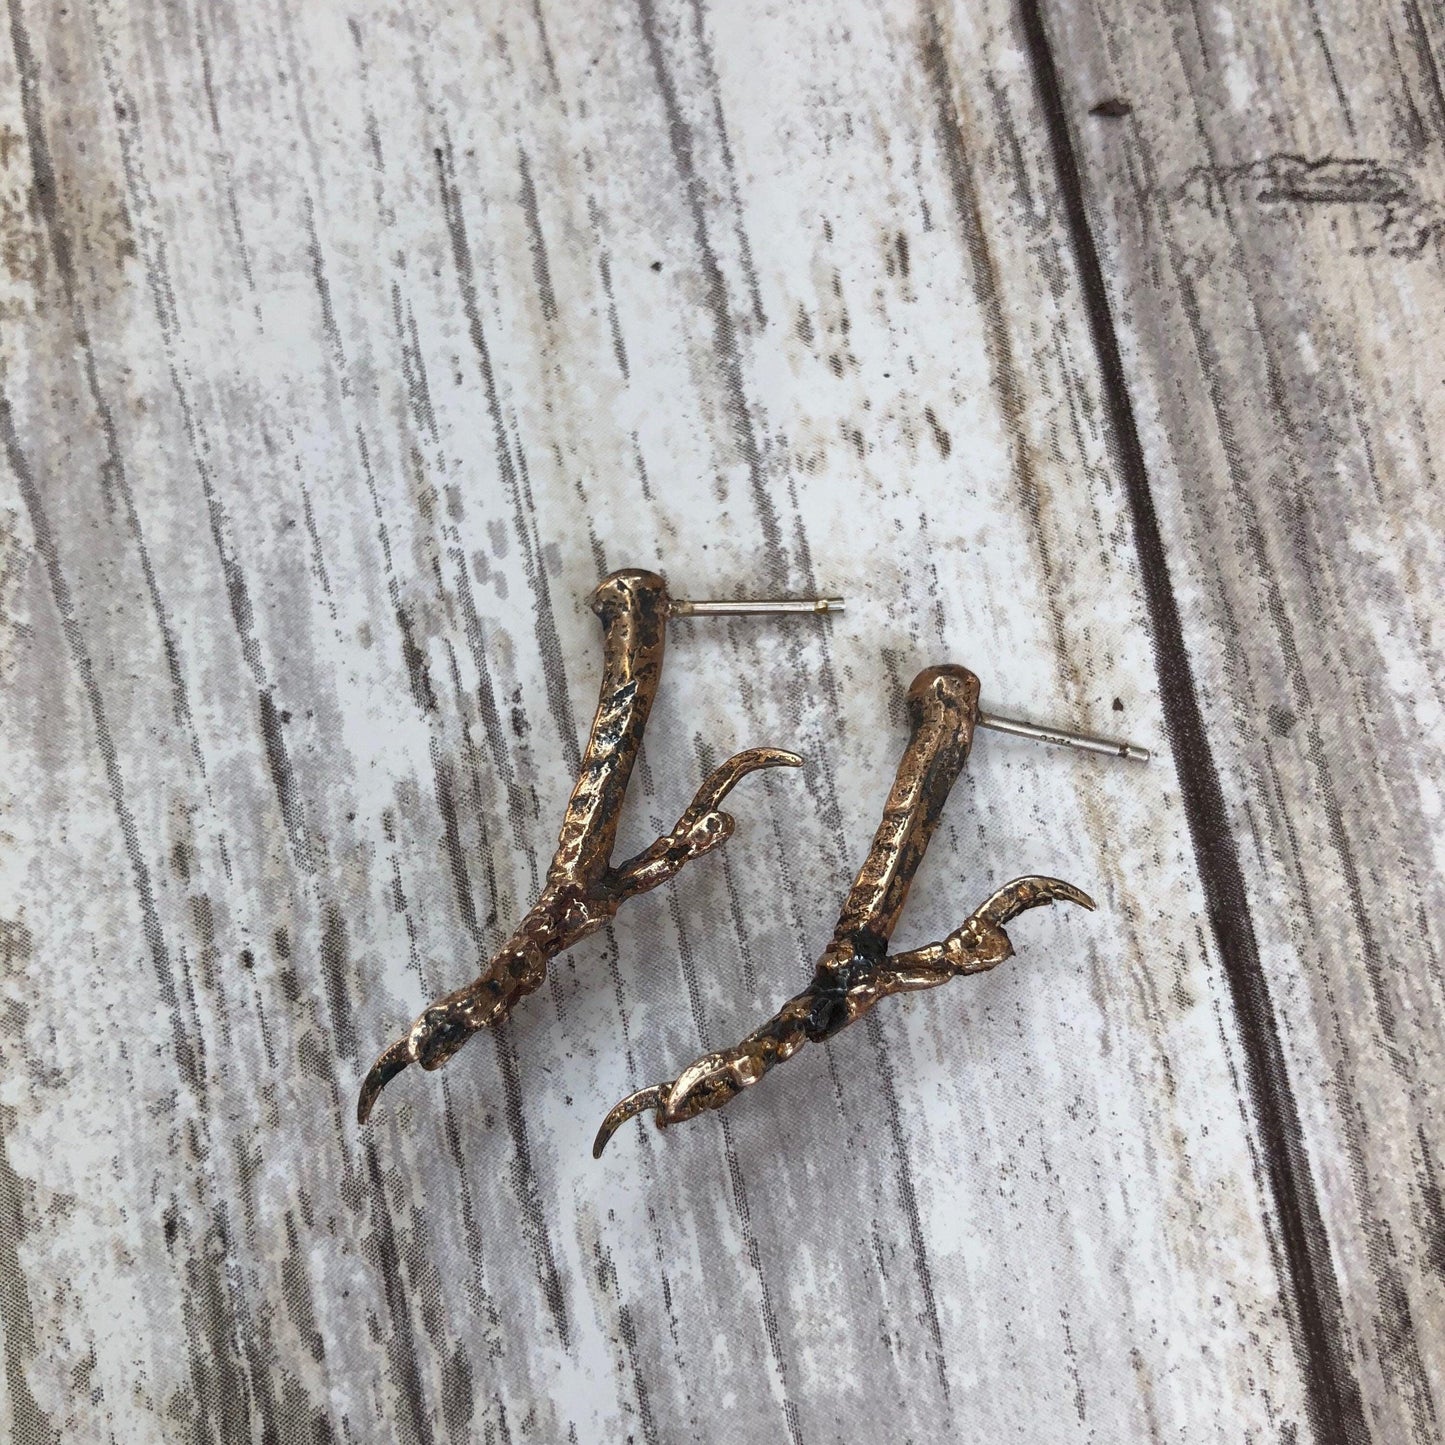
1024 893
634 1104
702 826
724 778
979 943
391 1062
441 1029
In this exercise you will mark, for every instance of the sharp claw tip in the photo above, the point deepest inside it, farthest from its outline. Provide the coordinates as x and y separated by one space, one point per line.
1024 893
1069 894
610 1126
622 1111
366 1100
381 1073
773 758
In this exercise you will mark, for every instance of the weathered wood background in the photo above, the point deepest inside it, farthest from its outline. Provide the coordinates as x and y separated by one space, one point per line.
1095 345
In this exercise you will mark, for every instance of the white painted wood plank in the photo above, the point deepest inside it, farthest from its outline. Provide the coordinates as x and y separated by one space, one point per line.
355 346
1269 223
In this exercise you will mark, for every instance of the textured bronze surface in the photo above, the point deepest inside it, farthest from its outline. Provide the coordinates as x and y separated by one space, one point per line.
583 889
856 970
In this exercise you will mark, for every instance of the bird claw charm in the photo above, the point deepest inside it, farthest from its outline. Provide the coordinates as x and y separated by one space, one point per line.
856 971
583 890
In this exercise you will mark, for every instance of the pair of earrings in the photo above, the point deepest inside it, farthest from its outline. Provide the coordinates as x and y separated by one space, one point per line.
584 889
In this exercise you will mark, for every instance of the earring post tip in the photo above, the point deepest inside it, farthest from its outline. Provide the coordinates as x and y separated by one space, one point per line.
754 606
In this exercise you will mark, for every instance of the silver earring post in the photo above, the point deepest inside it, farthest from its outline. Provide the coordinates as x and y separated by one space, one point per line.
1063 738
753 607
1016 727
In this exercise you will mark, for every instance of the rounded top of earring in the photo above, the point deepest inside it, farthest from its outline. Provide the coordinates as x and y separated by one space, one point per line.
948 684
627 591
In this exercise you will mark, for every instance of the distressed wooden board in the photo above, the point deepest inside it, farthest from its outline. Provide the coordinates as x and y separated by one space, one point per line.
1270 225
343 350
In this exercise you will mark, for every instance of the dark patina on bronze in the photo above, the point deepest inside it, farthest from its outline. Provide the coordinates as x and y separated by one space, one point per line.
856 970
584 889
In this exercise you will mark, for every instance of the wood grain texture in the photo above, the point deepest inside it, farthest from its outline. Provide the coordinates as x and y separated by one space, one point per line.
1274 255
344 348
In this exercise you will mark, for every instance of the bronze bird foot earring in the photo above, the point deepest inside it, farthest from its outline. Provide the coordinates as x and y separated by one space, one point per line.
584 890
856 970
